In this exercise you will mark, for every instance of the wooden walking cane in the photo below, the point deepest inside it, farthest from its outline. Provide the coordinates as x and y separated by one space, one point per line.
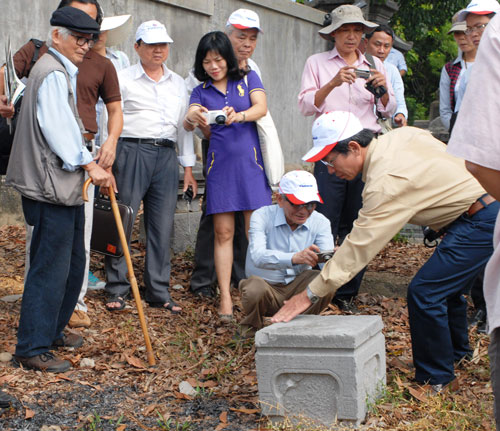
131 275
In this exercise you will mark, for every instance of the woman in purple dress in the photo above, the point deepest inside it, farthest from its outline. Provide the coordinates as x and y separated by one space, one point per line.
235 177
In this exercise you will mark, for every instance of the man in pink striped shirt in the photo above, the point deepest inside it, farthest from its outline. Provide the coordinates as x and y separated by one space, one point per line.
330 83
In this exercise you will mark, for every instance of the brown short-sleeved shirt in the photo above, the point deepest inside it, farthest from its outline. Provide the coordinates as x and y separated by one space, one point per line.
96 77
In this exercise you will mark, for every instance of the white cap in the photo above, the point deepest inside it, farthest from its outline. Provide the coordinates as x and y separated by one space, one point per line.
300 187
479 7
244 19
152 32
328 130
118 28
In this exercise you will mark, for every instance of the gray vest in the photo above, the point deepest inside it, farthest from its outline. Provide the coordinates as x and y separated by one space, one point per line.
34 169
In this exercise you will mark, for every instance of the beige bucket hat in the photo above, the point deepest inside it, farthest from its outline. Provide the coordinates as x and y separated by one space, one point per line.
346 14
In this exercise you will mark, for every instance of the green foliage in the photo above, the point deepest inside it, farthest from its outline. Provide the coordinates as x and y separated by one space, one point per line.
425 23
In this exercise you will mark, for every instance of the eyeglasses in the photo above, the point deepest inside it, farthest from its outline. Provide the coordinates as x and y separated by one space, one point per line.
308 206
81 40
330 164
479 28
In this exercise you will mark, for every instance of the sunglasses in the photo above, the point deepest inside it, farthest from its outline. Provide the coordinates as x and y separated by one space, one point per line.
308 206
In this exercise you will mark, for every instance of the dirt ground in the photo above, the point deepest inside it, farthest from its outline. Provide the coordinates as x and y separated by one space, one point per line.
118 391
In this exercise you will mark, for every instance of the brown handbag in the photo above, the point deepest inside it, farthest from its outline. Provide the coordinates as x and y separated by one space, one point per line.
105 238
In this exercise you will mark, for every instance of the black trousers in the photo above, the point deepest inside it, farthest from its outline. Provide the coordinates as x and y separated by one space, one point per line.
204 274
342 202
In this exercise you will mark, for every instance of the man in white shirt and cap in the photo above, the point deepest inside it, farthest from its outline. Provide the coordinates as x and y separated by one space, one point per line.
155 101
284 242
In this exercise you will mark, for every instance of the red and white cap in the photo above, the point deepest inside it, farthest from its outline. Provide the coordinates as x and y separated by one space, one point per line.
328 129
479 7
244 19
300 187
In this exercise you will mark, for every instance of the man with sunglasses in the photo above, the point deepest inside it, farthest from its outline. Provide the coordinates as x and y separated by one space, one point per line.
409 178
284 242
47 167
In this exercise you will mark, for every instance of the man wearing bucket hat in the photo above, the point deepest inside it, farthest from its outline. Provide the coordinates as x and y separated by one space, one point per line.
409 178
242 28
284 241
329 82
47 167
453 72
155 102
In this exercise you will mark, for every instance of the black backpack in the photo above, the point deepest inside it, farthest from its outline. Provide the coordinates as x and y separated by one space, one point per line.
6 132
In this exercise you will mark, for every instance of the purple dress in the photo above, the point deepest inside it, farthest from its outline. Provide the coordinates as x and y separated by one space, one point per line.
235 179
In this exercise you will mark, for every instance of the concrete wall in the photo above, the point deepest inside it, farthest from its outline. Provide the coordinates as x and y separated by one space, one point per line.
290 36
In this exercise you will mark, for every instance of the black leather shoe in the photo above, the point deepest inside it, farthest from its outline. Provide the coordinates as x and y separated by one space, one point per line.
5 400
346 305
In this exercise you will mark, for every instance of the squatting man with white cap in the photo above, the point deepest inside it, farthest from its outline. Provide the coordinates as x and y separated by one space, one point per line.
155 102
284 242
409 178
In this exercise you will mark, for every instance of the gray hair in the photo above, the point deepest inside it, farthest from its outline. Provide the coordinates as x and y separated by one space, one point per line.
63 31
229 29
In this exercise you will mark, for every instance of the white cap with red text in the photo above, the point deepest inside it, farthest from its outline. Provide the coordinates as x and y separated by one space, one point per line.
300 187
328 129
244 19
479 7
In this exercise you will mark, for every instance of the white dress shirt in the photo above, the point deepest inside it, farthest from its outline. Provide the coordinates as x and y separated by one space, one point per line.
156 109
272 243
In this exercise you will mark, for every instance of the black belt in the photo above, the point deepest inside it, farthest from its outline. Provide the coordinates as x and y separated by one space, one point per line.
151 141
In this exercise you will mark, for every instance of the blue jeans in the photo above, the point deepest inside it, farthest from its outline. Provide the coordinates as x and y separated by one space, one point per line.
54 280
436 305
342 202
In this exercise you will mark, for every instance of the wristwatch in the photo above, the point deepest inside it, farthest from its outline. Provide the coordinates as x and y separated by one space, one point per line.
312 297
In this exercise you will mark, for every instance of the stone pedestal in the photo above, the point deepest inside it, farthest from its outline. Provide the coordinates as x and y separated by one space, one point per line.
324 368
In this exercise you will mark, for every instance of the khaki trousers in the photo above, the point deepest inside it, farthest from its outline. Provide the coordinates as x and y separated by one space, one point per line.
260 298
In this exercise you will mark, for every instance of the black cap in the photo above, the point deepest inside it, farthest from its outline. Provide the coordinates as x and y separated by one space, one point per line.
74 19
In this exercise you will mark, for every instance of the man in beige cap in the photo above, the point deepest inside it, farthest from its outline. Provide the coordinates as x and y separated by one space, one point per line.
330 83
284 242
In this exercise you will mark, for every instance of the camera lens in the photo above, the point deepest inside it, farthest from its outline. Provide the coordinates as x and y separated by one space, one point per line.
220 119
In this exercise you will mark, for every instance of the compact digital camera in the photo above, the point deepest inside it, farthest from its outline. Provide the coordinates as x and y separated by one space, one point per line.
324 256
215 117
378 92
360 73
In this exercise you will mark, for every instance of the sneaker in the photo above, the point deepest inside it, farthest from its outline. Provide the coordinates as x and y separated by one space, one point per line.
346 305
94 283
43 362
79 319
68 340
